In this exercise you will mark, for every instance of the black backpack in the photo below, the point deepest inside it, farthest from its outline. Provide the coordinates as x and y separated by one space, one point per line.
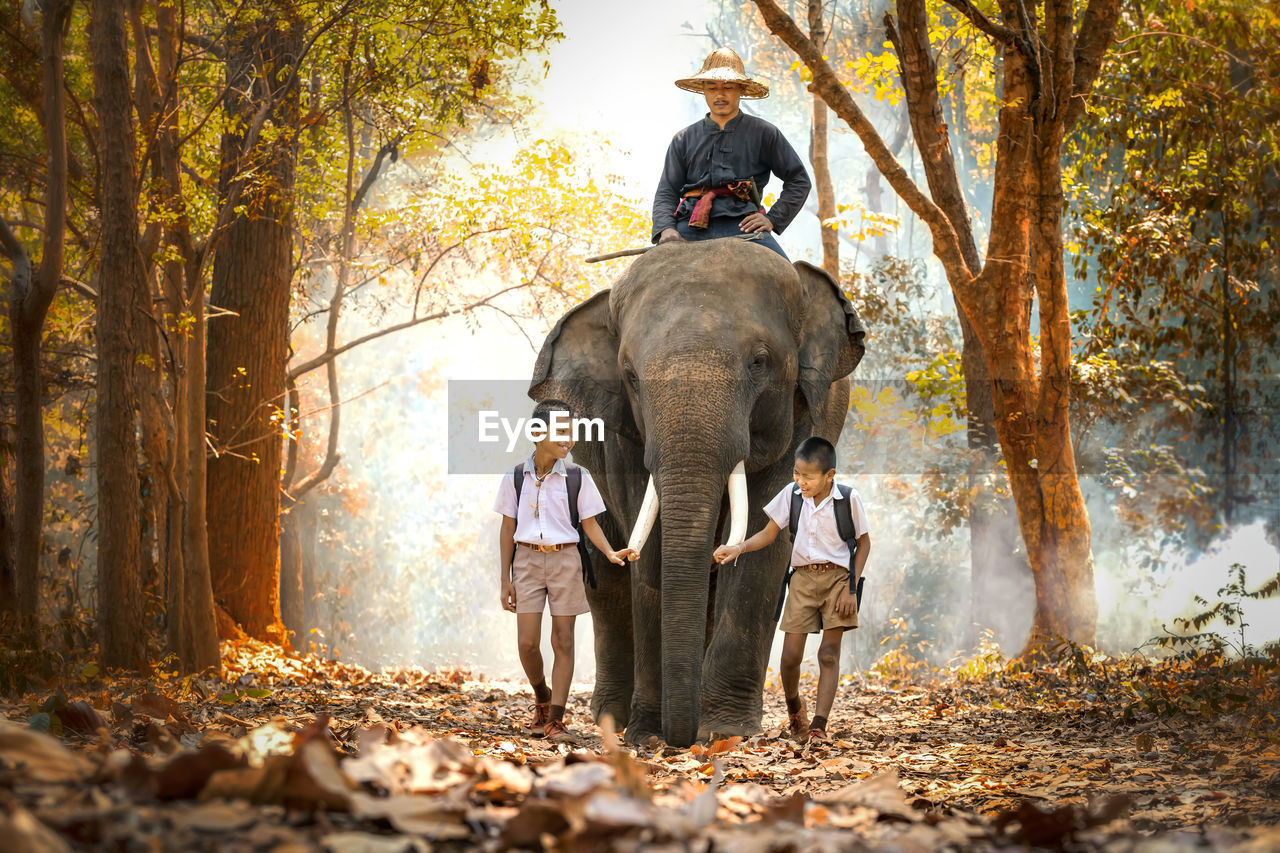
573 474
844 526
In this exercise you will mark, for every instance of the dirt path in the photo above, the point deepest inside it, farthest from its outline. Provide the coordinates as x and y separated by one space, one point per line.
290 754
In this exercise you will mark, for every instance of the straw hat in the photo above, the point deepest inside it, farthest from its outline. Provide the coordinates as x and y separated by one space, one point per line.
725 65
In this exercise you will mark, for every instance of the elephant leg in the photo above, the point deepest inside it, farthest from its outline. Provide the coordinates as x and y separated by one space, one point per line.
646 602
611 620
734 667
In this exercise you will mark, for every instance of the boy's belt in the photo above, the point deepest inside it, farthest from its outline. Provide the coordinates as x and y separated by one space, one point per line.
546 549
820 567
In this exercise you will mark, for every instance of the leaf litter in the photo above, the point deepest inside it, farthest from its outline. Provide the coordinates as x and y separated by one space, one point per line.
287 753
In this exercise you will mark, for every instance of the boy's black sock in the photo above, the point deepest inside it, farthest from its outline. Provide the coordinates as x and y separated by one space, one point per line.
818 723
541 692
557 713
793 704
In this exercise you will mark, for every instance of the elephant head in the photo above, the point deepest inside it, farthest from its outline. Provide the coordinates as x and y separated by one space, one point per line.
705 360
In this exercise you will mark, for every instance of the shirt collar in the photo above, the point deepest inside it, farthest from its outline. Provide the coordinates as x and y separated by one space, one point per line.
532 469
709 123
835 495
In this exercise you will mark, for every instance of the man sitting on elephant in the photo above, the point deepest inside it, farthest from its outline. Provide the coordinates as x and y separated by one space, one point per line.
716 168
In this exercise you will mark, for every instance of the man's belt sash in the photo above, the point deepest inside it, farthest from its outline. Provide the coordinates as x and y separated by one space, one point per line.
701 216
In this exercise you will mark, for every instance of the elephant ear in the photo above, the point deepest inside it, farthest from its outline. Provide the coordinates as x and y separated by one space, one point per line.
831 336
578 364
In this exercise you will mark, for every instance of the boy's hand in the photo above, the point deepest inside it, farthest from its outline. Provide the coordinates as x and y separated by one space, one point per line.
509 596
621 557
725 553
847 603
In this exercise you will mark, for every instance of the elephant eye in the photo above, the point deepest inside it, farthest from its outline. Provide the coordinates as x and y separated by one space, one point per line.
760 360
633 382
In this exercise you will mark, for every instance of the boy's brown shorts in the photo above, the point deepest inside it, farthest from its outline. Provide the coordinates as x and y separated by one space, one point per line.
554 575
811 602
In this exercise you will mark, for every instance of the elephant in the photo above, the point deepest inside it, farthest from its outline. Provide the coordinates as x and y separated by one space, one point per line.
708 362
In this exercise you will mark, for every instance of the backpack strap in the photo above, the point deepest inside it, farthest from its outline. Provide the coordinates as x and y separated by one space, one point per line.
573 477
844 518
849 533
518 474
797 501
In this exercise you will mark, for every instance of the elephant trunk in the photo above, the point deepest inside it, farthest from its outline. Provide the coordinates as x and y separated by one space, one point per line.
697 414
690 512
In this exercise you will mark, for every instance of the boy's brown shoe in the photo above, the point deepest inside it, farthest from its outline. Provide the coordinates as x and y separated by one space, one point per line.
541 714
554 730
818 734
799 722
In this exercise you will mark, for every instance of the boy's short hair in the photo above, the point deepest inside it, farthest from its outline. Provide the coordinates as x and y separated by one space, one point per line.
542 412
819 451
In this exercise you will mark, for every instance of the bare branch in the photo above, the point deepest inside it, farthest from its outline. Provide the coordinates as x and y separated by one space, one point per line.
21 261
391 149
79 287
825 82
999 32
327 356
924 110
1097 29
208 45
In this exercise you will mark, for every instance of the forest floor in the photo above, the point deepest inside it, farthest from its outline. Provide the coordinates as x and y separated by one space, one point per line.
286 753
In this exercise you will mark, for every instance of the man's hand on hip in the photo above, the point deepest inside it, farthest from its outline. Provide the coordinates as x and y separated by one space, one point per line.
756 222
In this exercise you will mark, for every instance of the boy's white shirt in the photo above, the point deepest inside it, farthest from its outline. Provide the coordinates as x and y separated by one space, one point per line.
817 535
552 526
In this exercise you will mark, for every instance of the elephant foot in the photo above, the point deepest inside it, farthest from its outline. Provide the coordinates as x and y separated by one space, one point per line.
714 731
643 727
713 728
605 706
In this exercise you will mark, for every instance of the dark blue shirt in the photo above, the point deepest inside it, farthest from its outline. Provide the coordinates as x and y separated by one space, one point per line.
703 155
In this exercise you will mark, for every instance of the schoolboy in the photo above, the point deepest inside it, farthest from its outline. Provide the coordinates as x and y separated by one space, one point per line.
540 563
821 596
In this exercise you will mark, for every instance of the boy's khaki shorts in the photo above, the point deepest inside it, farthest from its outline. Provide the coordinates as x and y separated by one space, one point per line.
553 575
811 602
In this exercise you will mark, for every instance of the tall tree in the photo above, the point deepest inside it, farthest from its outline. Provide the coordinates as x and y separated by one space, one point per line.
1047 72
122 306
30 295
248 350
992 558
177 461
406 71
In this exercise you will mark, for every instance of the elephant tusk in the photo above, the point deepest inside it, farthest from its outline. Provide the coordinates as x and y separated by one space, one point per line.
738 504
644 521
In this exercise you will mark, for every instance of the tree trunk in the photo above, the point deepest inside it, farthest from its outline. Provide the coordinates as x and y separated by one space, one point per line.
122 290
199 632
248 352
189 598
30 295
292 601
8 505
308 517
992 562
1065 566
818 158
